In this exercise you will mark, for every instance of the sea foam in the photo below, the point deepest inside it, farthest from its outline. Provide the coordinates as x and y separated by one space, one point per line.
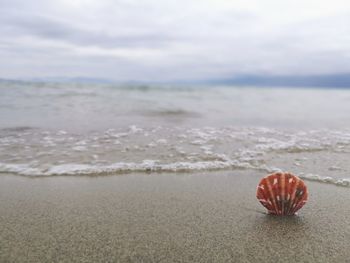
162 149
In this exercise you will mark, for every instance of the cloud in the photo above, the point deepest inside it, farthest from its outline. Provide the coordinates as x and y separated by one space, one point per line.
51 29
172 40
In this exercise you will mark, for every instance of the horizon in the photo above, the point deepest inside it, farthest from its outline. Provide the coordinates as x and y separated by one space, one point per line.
310 81
173 41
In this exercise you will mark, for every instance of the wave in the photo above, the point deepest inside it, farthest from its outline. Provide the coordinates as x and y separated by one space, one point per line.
147 166
170 113
35 152
326 179
151 166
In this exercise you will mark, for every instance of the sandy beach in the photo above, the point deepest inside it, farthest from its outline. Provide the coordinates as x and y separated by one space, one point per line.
212 217
140 131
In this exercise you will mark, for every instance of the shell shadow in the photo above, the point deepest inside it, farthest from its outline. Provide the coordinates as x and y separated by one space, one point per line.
267 220
278 238
272 228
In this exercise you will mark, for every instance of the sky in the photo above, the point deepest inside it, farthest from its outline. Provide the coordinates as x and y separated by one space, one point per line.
170 40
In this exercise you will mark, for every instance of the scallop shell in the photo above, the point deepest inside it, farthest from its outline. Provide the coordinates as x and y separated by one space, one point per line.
282 193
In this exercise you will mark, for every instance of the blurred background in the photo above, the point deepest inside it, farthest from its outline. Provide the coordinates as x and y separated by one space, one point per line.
271 42
118 86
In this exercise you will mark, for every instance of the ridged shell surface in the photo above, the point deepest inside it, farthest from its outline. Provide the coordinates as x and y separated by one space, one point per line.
282 193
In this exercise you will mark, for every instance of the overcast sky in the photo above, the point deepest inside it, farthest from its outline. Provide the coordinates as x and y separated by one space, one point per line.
173 39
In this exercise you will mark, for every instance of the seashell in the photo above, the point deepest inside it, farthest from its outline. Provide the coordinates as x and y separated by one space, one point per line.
282 193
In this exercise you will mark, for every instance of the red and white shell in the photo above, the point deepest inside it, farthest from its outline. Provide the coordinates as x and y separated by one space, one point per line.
282 193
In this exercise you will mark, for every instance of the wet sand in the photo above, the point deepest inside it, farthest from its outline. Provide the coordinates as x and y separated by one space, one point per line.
212 217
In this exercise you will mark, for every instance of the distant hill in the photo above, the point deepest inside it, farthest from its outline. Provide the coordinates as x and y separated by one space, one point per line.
60 80
336 81
326 81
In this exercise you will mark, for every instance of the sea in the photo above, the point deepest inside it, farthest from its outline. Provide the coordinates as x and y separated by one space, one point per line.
76 129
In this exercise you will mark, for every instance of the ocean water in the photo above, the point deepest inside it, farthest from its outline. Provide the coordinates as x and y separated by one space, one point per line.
51 129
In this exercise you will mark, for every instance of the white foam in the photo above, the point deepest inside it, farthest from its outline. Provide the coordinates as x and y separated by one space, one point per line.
335 168
134 129
172 150
62 132
326 179
20 169
121 167
79 148
153 166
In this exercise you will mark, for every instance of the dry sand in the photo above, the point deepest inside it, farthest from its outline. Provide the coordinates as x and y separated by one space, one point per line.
211 217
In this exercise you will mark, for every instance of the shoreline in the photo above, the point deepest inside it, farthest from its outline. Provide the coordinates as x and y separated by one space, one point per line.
207 217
